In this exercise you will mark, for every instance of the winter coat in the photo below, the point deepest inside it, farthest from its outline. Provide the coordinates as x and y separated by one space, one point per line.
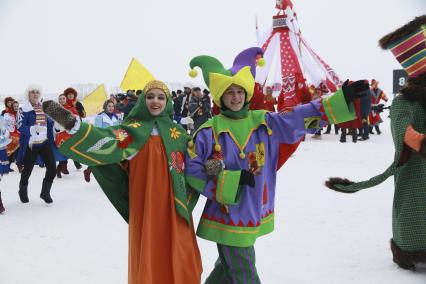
200 110
102 120
26 119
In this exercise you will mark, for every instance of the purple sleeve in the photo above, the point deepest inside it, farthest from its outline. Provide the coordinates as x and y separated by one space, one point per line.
194 164
288 128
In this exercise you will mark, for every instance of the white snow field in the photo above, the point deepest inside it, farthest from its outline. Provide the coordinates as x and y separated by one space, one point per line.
321 236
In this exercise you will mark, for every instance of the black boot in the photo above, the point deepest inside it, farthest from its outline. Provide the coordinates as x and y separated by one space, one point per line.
1 205
45 191
23 193
377 129
58 171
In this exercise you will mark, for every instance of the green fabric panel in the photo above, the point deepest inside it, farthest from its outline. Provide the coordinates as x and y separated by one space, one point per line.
227 188
196 183
233 235
336 108
114 182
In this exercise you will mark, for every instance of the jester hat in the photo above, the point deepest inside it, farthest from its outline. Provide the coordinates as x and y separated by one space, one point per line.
408 45
218 79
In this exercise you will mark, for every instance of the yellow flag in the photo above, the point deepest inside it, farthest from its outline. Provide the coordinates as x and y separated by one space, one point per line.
93 102
136 77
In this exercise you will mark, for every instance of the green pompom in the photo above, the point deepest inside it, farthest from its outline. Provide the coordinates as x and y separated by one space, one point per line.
261 62
193 73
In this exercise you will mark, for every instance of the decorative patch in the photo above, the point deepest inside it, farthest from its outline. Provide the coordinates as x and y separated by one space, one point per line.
253 164
135 124
98 145
174 133
123 138
177 162
260 154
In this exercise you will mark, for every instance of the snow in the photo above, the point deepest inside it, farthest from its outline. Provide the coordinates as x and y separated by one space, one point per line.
320 237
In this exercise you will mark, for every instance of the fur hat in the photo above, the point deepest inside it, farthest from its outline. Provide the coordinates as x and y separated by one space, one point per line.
33 87
408 45
70 91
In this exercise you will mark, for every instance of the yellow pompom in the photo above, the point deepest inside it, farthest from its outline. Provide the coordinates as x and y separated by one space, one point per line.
242 155
217 147
261 62
269 132
193 73
190 144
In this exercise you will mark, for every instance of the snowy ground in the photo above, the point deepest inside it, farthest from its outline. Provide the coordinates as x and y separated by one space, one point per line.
321 236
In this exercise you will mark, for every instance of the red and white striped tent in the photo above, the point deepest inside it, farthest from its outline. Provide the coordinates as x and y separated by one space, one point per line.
289 58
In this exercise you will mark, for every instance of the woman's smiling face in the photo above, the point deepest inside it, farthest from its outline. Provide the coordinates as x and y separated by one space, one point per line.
156 101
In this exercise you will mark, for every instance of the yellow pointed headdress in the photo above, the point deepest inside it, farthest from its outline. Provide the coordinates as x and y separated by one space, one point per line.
218 79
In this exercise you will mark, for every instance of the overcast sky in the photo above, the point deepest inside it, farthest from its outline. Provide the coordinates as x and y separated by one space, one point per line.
56 43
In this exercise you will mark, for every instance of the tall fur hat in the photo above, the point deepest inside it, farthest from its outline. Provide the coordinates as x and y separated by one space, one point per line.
408 45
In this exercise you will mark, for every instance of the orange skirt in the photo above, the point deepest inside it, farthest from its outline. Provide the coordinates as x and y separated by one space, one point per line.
162 245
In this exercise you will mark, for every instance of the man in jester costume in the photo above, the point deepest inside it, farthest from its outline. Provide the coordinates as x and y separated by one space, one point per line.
408 125
232 159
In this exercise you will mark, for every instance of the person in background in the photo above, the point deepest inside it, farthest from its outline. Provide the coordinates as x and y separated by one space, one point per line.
270 101
7 104
376 96
4 162
199 108
107 118
36 139
72 102
10 120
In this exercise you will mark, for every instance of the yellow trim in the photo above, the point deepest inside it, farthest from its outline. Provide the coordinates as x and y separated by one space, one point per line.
181 204
412 56
222 181
204 223
189 198
73 147
399 44
415 70
331 110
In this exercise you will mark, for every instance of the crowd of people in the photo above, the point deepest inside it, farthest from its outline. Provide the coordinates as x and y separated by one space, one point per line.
31 138
153 152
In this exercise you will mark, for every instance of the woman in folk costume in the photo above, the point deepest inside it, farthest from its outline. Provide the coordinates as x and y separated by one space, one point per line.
8 101
10 119
408 125
77 108
233 160
140 167
4 161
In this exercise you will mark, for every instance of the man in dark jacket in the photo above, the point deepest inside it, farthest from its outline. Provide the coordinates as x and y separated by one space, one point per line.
199 107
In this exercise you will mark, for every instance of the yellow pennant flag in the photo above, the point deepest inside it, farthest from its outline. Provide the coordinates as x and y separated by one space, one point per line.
136 77
93 102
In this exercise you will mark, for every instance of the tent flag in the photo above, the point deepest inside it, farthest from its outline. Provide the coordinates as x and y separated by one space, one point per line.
93 102
136 77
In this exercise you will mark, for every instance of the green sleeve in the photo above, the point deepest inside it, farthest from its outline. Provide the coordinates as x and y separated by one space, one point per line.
336 109
227 188
96 146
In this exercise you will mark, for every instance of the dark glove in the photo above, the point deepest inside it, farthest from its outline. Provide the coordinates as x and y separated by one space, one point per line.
62 116
355 89
423 148
213 167
247 178
378 108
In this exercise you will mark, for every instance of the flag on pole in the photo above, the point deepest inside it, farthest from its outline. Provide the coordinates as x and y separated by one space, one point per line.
93 102
137 76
